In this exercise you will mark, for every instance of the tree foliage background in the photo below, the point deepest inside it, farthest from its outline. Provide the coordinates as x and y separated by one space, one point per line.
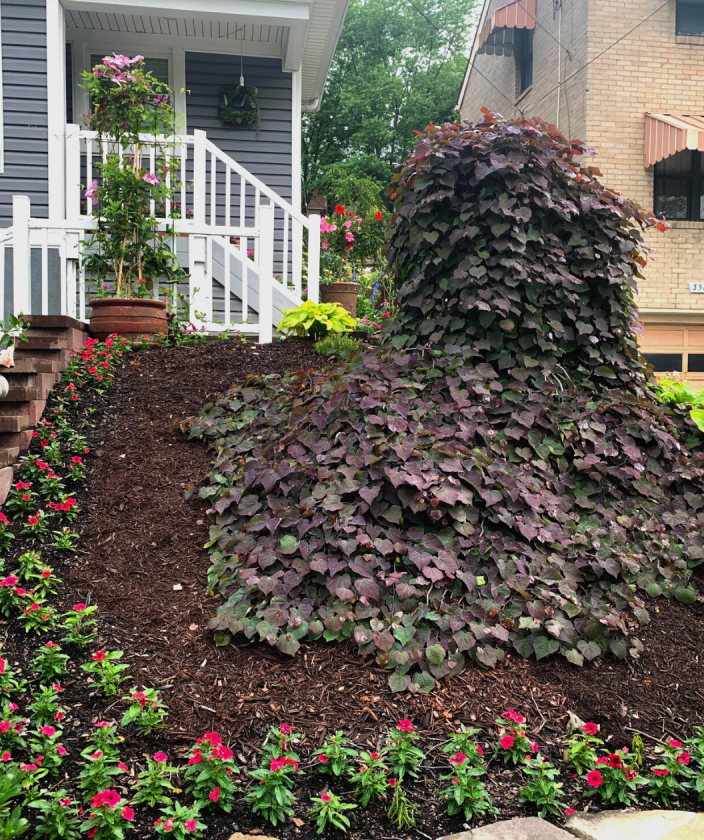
398 67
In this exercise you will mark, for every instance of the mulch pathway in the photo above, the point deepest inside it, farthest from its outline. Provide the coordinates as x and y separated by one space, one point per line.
141 537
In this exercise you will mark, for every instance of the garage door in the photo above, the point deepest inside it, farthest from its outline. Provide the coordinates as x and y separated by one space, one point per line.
675 349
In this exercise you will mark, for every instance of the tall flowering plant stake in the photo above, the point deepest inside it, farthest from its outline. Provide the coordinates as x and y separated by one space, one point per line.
400 751
127 104
209 772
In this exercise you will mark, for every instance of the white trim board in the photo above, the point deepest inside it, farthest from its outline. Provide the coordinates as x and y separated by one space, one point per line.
56 105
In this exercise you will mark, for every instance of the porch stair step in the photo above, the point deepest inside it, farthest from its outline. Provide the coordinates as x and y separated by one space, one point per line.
39 363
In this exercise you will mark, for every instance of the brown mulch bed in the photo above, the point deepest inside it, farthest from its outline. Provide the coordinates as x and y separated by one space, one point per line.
141 537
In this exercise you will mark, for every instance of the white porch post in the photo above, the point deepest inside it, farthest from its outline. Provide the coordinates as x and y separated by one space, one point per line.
56 104
73 172
198 298
21 212
296 176
199 177
266 272
314 258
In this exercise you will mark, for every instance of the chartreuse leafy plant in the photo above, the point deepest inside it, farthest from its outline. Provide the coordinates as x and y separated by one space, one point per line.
12 823
500 472
316 320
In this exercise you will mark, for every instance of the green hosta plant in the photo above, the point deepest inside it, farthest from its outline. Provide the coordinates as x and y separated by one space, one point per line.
329 812
154 783
59 817
316 320
466 794
336 757
400 751
542 790
370 779
108 670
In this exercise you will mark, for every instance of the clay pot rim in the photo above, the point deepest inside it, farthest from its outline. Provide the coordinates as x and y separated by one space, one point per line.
124 301
339 283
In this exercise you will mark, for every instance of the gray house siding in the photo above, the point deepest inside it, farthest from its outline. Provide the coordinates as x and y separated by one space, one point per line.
25 106
266 155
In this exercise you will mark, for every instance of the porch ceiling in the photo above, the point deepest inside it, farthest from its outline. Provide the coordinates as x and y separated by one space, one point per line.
304 33
182 27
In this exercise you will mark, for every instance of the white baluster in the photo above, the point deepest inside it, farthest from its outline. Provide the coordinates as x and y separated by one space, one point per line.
45 271
184 160
199 176
265 249
314 258
73 172
21 256
297 254
213 189
89 174
284 264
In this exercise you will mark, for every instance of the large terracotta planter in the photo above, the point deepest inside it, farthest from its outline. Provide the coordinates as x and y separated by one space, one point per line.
341 292
128 317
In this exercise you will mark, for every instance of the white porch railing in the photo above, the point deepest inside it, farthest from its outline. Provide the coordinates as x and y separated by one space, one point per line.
241 250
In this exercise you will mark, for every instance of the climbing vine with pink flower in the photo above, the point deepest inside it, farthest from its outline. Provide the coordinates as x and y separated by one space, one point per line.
348 240
130 111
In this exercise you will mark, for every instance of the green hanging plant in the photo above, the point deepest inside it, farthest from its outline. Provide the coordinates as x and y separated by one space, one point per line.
239 106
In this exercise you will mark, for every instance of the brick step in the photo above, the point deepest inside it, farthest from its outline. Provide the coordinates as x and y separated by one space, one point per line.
10 423
62 322
8 455
33 364
38 390
39 341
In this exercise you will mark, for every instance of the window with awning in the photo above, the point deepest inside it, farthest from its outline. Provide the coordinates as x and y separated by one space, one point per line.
500 32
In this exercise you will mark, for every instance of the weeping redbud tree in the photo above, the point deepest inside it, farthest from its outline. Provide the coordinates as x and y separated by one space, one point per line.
500 473
128 105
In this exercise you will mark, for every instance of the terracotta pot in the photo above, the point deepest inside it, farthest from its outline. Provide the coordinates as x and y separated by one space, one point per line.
128 317
341 292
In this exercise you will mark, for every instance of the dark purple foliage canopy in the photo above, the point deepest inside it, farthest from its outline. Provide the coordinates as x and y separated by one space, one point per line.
500 473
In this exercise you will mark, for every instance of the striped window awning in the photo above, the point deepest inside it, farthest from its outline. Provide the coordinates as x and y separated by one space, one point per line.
497 36
667 134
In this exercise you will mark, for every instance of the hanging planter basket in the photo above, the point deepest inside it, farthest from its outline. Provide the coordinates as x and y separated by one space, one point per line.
239 107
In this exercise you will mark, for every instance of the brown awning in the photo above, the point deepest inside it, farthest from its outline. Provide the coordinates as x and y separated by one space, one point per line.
497 36
667 134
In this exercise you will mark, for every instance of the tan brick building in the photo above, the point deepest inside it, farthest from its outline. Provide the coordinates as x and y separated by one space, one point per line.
596 68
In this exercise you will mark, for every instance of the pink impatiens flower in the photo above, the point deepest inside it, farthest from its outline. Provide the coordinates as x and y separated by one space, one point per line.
405 725
326 797
160 757
50 731
214 794
128 813
594 778
458 758
590 729
506 742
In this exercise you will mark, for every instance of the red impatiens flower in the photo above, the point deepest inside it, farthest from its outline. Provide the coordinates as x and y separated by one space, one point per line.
77 459
196 758
683 758
49 731
79 607
631 774
160 757
5 757
128 813
99 655
212 738
594 779
393 782
458 758
285 729
122 766
33 520
509 714
214 794
405 725
660 772
61 749
323 759
46 574
569 811
480 749
340 209
379 215
189 825
506 742
675 744
325 797
615 760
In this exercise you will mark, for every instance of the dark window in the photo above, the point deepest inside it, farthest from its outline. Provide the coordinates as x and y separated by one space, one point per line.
695 363
524 58
679 186
69 83
690 17
665 362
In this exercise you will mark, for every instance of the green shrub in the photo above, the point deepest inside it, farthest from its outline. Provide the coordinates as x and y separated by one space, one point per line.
316 320
336 345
